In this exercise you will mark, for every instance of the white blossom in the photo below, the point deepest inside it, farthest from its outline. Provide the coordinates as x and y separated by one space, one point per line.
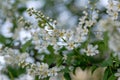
118 74
3 77
118 6
91 50
25 77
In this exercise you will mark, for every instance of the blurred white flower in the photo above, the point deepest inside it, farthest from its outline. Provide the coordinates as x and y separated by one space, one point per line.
113 14
58 77
118 74
53 71
113 8
111 4
91 50
118 6
3 77
13 56
114 42
5 29
25 77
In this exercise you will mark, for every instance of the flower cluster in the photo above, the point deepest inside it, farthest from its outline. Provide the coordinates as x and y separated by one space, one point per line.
111 27
90 51
113 9
13 56
41 69
47 32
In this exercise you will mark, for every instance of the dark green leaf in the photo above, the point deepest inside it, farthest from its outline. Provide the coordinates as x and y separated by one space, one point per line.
60 61
93 68
107 62
14 72
67 76
26 45
50 48
112 78
106 73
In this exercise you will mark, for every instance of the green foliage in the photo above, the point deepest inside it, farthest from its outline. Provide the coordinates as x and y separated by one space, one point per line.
14 72
112 77
106 74
107 62
109 74
2 39
93 68
26 45
67 76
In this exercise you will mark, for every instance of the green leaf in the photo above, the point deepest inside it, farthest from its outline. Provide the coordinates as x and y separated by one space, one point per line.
50 48
26 45
2 39
112 78
11 76
66 70
14 72
106 73
21 9
74 70
93 68
107 62
67 76
50 59
60 61
106 38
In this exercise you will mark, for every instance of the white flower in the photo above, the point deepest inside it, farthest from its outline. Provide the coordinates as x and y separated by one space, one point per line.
64 57
3 77
43 70
70 46
114 42
60 76
110 4
113 14
44 74
13 56
118 6
53 71
89 23
82 20
43 66
91 50
99 35
25 77
118 74
119 78
84 31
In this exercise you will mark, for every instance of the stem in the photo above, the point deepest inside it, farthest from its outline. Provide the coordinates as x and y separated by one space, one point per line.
10 74
44 20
